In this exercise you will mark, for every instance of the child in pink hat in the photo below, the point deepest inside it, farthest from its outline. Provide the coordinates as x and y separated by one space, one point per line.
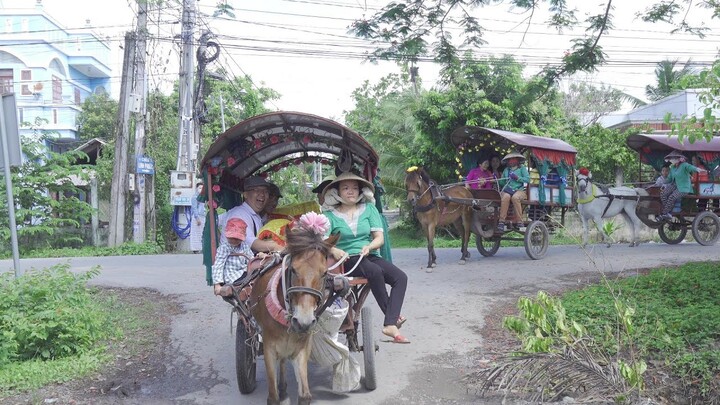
232 257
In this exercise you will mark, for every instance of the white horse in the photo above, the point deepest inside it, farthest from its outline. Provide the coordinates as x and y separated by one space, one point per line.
595 204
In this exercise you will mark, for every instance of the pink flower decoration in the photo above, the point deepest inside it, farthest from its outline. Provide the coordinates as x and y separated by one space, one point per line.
216 188
306 139
274 139
213 170
257 144
315 223
230 161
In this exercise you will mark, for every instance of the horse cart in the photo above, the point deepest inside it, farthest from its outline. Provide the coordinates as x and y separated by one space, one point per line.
697 211
262 146
551 163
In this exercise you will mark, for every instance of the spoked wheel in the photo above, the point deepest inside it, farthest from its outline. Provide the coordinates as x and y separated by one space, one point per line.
706 228
672 232
247 348
487 246
368 349
537 239
649 220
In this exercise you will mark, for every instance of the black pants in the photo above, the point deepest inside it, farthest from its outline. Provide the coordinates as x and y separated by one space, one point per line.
379 272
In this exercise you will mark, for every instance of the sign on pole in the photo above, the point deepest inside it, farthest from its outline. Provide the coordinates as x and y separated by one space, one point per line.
9 130
8 115
145 165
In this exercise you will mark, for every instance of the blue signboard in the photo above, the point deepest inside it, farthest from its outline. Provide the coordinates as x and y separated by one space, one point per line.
145 165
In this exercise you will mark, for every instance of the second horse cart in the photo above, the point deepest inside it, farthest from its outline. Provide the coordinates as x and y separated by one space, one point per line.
551 163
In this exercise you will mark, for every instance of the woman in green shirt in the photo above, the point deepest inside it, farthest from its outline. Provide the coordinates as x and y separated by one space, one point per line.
349 205
678 182
512 188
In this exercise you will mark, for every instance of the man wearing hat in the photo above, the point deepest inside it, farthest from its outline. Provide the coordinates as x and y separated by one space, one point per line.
256 196
512 187
678 183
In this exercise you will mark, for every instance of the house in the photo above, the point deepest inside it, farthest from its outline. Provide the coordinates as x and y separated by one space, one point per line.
51 69
685 103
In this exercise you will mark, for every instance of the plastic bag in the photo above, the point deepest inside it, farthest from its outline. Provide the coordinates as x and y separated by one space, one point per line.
328 351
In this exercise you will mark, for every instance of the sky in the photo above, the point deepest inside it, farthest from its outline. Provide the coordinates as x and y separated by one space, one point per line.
301 48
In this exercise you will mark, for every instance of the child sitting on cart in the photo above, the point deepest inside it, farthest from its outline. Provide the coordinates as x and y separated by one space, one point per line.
232 258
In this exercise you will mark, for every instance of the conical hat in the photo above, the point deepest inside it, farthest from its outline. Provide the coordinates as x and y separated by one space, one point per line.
349 176
513 155
674 154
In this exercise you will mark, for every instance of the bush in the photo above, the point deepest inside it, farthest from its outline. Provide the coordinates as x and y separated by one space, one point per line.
50 314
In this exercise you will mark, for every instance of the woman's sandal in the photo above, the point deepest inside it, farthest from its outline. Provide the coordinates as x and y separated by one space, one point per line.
401 320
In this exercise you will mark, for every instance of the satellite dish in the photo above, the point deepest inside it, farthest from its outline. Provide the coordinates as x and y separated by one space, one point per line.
37 88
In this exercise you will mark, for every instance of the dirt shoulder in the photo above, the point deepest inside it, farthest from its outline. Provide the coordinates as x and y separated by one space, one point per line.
139 357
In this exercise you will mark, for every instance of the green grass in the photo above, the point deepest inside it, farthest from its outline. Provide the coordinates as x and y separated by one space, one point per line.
676 320
56 329
126 249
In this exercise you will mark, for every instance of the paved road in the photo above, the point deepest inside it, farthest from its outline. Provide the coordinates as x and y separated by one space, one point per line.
445 308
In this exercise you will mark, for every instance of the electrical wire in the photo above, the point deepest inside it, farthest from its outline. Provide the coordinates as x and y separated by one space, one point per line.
182 233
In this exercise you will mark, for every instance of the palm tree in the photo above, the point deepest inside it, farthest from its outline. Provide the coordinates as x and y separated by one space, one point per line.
668 79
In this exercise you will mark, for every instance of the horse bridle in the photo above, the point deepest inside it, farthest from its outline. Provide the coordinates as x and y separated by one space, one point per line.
329 282
585 181
418 195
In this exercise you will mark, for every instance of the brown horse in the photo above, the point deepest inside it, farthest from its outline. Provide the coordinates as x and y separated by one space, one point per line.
284 303
434 207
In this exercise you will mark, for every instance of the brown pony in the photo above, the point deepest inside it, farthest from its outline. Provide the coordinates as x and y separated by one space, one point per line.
434 207
284 303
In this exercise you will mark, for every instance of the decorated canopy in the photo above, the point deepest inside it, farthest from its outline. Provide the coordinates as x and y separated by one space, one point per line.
270 142
653 148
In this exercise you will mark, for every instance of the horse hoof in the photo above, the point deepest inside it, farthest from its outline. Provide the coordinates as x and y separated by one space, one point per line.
461 261
433 265
429 270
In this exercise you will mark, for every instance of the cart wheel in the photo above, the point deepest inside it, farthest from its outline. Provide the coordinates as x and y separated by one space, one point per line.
246 352
706 228
672 232
368 348
647 220
487 246
537 239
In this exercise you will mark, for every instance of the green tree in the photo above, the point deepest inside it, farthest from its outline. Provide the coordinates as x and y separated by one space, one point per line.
383 114
587 103
491 93
413 30
604 152
98 117
669 79
48 210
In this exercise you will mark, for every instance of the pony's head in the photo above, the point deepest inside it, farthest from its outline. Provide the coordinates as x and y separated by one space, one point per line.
305 274
583 177
417 182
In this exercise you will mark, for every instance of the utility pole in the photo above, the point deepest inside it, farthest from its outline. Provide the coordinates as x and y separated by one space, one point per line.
185 161
140 91
118 192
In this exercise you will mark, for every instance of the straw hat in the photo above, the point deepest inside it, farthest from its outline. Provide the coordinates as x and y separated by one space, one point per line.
674 155
513 155
349 176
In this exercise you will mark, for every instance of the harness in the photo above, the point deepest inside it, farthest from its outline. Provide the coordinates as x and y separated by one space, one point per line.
282 311
595 193
435 195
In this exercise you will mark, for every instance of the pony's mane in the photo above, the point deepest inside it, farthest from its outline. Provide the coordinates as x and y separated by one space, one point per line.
300 240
